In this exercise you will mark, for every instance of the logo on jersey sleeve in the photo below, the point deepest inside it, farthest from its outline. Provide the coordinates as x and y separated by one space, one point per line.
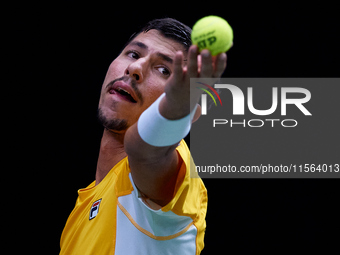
95 209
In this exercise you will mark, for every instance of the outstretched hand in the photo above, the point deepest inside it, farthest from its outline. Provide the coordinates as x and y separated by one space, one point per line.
180 98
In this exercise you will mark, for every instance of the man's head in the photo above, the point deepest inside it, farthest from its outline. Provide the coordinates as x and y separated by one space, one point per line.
136 78
170 28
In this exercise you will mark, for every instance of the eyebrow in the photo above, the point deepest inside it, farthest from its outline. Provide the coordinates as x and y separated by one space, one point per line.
165 57
139 44
159 54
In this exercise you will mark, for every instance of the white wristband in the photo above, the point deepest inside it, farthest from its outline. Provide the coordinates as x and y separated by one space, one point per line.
158 131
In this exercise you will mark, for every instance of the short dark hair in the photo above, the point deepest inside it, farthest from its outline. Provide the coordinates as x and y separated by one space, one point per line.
169 28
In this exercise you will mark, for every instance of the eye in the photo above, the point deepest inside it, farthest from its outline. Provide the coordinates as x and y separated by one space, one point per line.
163 70
132 54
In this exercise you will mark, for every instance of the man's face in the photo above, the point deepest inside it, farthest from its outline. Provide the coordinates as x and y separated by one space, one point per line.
136 78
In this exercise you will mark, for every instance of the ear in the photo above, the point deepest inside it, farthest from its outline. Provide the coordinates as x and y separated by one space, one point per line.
197 114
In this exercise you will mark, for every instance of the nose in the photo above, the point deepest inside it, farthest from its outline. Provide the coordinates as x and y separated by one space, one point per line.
135 70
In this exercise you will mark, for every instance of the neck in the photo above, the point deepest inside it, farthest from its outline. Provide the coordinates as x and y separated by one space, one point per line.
111 152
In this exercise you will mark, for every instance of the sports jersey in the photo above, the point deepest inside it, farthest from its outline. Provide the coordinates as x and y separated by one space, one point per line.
112 217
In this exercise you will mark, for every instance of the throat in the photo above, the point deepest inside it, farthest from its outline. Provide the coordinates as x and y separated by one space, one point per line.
110 153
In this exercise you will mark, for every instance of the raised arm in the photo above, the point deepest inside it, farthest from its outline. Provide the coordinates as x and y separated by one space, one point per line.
154 169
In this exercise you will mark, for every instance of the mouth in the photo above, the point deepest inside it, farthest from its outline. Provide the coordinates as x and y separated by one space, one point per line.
122 90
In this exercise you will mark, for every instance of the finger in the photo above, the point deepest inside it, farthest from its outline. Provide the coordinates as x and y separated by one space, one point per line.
207 67
192 66
199 63
177 68
220 64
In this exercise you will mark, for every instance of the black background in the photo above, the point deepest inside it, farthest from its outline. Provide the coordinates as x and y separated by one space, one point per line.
60 54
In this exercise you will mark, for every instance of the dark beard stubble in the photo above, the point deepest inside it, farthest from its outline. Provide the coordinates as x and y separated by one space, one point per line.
114 124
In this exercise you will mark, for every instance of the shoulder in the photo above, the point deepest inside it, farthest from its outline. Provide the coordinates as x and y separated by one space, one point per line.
190 196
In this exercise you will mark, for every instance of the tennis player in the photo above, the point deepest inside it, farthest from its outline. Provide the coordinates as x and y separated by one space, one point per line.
143 200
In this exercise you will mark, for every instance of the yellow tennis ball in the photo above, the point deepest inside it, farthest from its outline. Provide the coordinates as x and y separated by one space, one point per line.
212 33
